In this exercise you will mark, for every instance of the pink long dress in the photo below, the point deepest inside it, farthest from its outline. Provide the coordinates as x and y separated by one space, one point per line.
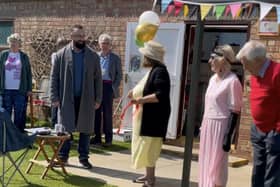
221 97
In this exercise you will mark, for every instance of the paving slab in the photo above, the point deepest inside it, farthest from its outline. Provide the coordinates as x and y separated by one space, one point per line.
114 168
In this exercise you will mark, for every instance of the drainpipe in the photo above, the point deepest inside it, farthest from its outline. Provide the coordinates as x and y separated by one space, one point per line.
192 110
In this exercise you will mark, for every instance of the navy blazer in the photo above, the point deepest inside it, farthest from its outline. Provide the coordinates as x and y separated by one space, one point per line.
156 115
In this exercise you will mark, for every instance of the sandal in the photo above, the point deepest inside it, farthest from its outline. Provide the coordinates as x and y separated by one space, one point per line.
149 183
140 179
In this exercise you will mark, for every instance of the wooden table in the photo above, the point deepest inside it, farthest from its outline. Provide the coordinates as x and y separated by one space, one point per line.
55 142
31 106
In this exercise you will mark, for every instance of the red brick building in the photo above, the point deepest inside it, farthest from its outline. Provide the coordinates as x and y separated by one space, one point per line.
34 18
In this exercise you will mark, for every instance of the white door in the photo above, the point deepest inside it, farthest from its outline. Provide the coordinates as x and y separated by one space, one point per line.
171 35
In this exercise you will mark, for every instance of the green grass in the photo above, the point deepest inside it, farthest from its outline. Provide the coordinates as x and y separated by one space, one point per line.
55 177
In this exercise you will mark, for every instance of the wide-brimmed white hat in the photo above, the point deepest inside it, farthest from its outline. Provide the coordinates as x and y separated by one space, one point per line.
153 50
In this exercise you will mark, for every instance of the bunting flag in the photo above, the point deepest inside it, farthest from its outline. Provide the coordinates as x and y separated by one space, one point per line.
204 9
186 10
170 8
220 10
278 13
164 5
265 8
227 11
178 7
238 14
235 9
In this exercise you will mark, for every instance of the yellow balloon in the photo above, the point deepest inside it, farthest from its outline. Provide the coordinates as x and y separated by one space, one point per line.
145 32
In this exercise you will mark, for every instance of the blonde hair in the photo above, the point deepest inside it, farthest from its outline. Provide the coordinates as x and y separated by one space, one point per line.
105 37
227 54
14 38
252 50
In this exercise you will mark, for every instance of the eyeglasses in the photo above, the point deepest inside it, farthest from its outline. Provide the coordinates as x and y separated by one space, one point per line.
215 55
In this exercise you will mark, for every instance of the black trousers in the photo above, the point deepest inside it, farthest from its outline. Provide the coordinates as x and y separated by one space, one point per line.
104 114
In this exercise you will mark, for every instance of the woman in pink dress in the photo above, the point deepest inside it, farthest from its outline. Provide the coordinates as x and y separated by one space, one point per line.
223 100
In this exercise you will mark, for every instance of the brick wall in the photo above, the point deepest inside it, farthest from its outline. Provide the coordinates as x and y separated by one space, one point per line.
66 8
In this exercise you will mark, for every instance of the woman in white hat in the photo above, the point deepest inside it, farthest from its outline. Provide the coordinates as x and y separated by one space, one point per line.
151 112
15 80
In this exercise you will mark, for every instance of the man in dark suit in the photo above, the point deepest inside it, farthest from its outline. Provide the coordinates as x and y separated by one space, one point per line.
112 75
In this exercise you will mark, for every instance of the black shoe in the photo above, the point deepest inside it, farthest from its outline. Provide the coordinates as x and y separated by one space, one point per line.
85 164
107 144
93 141
97 145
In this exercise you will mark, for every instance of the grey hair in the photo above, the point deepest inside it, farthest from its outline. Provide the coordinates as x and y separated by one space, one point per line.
105 37
14 38
252 50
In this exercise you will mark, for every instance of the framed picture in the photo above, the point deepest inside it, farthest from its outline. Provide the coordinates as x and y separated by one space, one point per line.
268 28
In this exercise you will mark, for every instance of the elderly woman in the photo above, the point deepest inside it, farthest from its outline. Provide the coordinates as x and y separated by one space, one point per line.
152 110
15 80
223 102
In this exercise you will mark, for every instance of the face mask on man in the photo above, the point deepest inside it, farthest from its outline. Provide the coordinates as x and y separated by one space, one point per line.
80 44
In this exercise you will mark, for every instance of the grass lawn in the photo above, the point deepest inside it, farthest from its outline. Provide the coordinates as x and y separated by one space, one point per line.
56 178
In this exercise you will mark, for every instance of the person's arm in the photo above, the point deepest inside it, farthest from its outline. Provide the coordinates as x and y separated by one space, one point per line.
98 83
235 103
161 84
29 75
152 98
118 76
232 122
55 82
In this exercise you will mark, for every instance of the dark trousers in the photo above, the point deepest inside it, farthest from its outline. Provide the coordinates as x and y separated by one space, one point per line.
13 100
104 114
84 139
266 169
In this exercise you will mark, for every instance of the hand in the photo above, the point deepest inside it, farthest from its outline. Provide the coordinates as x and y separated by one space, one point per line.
130 94
137 101
56 104
97 105
29 93
227 143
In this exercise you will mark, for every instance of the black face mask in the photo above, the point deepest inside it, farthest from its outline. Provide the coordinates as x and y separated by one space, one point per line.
79 44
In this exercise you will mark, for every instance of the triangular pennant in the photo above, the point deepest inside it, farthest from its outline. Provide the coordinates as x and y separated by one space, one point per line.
178 7
170 8
227 11
164 5
235 8
265 8
213 10
186 10
278 13
204 9
238 14
220 10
